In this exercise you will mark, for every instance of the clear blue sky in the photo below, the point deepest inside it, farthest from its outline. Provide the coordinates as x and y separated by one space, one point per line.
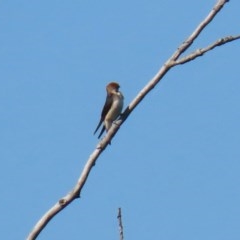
174 165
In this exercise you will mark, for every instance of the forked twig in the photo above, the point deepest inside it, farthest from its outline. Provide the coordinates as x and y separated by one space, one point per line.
199 52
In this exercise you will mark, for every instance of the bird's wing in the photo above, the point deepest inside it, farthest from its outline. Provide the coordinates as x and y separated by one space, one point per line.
107 106
102 131
98 126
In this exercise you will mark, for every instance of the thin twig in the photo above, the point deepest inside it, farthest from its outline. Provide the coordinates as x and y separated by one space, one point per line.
201 51
171 62
120 226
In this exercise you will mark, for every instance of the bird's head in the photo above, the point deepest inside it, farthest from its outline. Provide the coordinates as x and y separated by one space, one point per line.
113 86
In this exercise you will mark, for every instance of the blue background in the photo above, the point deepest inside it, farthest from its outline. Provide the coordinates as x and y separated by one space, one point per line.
174 165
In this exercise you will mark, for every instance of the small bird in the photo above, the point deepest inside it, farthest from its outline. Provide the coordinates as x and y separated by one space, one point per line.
112 107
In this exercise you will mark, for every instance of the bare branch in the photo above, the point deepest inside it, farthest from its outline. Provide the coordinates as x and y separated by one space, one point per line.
201 51
171 62
188 42
65 201
120 223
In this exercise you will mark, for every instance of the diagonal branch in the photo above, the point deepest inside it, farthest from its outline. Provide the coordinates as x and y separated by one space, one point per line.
171 62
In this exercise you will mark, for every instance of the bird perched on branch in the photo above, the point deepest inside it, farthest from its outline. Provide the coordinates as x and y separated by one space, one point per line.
112 107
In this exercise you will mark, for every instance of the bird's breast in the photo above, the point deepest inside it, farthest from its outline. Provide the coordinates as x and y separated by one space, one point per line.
116 108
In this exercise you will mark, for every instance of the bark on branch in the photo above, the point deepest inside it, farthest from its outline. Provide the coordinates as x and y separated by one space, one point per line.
170 63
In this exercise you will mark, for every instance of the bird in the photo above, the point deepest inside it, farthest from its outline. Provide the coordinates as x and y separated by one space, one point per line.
112 108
